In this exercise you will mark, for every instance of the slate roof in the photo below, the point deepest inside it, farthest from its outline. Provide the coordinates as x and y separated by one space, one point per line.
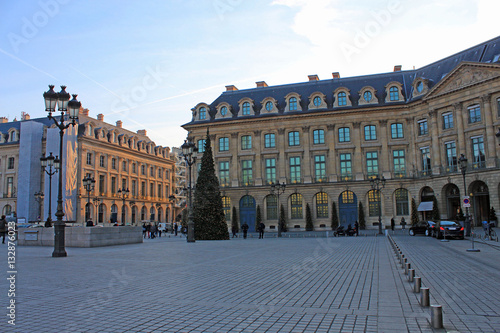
485 52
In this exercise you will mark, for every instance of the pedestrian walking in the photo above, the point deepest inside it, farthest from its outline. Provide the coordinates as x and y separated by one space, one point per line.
175 229
262 226
144 230
356 227
234 230
403 223
244 227
3 228
393 224
148 230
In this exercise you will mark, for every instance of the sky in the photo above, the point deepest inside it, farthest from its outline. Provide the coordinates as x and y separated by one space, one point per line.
148 63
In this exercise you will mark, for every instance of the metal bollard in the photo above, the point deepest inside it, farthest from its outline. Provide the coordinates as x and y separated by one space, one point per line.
411 275
417 284
424 296
404 263
436 316
407 268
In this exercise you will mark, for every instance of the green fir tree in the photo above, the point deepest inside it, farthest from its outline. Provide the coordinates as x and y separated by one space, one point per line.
282 221
309 221
208 213
235 226
361 215
258 218
492 216
335 216
436 216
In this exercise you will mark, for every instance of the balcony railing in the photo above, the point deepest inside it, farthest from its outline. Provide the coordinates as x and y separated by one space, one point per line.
346 177
322 179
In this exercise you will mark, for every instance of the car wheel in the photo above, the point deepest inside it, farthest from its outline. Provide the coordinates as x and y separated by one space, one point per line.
411 232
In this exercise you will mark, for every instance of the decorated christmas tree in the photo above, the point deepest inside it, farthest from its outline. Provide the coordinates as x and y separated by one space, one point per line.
208 213
335 216
309 221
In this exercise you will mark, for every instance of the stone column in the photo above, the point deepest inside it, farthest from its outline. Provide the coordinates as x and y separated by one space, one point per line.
357 158
384 157
436 154
233 172
258 161
281 144
459 113
490 139
306 156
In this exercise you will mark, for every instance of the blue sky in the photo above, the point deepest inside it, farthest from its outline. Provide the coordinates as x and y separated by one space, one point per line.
148 63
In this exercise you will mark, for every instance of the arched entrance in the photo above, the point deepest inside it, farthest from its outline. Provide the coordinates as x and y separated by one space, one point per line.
247 212
452 197
348 208
114 214
480 202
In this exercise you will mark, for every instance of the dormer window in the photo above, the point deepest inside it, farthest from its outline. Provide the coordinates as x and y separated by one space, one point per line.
222 110
203 113
246 107
341 97
420 86
317 101
367 96
394 92
269 105
292 102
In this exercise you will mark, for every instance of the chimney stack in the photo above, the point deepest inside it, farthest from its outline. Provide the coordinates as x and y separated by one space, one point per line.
231 88
397 68
336 75
142 132
119 123
100 117
84 112
261 84
313 77
4 120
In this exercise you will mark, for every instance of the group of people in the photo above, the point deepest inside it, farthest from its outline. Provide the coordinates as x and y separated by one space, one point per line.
244 227
402 223
153 230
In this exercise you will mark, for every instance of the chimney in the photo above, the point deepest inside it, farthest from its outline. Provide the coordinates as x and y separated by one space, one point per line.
142 132
119 123
100 117
4 120
84 112
231 88
25 116
397 68
336 75
261 84
313 77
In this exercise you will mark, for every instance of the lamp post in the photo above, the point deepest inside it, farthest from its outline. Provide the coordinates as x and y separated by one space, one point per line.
72 108
172 203
463 167
123 194
88 183
50 161
189 151
39 196
96 201
278 189
378 184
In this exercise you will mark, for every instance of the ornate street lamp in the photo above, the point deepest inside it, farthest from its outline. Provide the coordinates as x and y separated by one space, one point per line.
278 189
61 99
463 167
123 194
378 184
50 161
39 196
189 151
88 183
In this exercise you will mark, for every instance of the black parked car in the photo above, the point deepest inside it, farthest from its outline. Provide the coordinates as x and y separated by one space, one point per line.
421 228
448 229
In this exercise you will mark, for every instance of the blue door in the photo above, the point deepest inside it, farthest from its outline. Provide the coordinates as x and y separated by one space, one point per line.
348 208
247 212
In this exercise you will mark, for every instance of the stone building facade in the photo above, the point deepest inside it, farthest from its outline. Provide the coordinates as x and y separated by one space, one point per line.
326 139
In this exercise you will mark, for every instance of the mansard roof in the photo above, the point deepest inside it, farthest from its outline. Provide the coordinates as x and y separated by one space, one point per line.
433 73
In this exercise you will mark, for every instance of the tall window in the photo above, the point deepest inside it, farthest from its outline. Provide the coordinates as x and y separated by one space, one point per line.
10 187
152 171
295 170
426 159
224 173
451 156
102 208
293 138
422 127
270 170
113 164
474 114
226 207
372 164
318 137
89 158
374 202
397 131
402 207
447 120
322 205
159 191
223 144
346 166
203 113
124 165
342 98
344 134
246 172
320 168
246 142
272 207
292 103
113 185
246 109
151 189
478 152
296 205
101 184
143 170
201 145
270 140
370 133
10 163
133 190
394 94
101 161
398 158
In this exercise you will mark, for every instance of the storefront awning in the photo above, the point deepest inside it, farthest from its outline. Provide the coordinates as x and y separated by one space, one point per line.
425 206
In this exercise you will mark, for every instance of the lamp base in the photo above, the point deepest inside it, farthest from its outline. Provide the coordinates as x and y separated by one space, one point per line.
473 250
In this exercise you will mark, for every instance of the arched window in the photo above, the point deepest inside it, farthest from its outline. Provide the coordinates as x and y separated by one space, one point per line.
322 205
223 111
152 214
226 206
7 210
374 203
102 210
134 214
394 94
272 207
296 205
317 101
292 103
203 113
401 195
342 98
246 109
159 214
143 213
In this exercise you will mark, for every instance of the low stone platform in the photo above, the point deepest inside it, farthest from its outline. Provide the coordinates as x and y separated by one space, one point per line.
82 236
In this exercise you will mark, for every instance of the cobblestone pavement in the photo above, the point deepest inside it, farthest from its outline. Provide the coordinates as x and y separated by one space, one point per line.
347 284
464 283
